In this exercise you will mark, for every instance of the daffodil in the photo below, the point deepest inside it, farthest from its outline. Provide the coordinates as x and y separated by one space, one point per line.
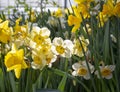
52 21
76 21
62 47
81 69
42 56
106 71
40 35
58 13
77 48
5 32
20 31
82 1
14 60
110 9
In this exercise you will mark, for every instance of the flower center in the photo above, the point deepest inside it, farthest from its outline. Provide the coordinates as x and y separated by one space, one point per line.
60 49
105 72
82 71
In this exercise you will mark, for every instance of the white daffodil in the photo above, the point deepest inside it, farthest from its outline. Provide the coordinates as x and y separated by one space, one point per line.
81 69
106 71
62 47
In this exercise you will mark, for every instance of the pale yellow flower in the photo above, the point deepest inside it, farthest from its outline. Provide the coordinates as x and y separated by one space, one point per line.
40 35
14 60
81 69
77 49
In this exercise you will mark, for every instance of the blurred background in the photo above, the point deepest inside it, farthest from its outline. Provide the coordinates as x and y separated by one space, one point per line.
8 5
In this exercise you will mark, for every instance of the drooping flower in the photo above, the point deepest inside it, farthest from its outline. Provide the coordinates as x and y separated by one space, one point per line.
5 32
14 60
62 47
81 69
106 71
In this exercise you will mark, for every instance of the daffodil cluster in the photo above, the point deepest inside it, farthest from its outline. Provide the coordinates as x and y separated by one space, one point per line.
44 51
82 69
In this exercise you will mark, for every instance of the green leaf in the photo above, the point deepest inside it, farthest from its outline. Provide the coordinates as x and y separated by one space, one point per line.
12 82
2 87
61 86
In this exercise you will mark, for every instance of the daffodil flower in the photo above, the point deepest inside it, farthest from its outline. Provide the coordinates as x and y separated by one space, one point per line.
14 60
106 71
81 69
77 48
40 35
5 32
62 47
76 21
110 9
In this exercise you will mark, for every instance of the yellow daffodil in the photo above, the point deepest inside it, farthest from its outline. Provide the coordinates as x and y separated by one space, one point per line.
106 71
77 49
62 47
102 19
82 1
58 13
81 69
76 21
110 9
79 11
5 32
20 31
14 60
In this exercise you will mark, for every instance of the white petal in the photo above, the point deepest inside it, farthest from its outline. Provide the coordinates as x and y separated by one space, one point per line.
74 73
45 31
76 66
111 67
87 76
109 77
96 73
35 66
53 49
58 41
68 53
68 44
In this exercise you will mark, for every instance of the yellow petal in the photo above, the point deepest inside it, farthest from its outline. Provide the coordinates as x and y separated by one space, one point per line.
14 67
17 72
75 28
